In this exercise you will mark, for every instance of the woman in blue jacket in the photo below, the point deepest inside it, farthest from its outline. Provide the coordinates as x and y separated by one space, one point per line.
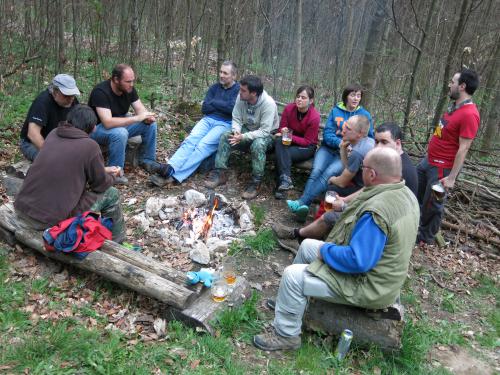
327 161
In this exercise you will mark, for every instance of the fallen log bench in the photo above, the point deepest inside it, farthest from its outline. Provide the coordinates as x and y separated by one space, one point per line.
135 271
383 328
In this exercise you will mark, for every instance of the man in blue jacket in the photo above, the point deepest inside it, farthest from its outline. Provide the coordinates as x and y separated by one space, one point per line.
204 138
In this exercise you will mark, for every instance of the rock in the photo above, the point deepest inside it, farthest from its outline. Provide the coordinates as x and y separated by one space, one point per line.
153 206
195 198
142 220
162 215
170 202
200 253
245 216
245 222
216 244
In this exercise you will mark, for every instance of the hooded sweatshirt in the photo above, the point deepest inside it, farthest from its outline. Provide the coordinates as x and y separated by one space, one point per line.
332 135
255 121
55 187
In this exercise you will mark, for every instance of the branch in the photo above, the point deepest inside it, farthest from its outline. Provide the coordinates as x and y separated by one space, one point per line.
399 31
20 65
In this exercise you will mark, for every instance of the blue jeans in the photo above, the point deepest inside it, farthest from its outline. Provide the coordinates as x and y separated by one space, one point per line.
116 140
28 149
326 164
200 144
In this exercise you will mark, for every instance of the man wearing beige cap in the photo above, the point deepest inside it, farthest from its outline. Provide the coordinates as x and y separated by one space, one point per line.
49 108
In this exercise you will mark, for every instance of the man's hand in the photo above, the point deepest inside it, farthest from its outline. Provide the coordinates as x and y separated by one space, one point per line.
338 204
148 117
113 171
447 182
235 138
344 144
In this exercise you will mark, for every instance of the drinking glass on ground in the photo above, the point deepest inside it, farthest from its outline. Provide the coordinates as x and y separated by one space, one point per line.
286 137
219 290
229 269
330 198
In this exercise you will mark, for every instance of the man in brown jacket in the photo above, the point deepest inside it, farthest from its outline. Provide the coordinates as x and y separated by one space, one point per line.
68 177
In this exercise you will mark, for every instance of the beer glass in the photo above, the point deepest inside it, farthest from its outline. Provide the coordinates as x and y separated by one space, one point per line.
286 137
330 197
229 269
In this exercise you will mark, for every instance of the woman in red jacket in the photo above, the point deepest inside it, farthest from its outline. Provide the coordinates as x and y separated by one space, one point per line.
302 119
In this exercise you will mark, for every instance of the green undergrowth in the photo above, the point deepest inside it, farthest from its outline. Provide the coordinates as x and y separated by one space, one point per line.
68 345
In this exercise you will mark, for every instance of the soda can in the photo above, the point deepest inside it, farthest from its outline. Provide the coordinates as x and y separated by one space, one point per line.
344 344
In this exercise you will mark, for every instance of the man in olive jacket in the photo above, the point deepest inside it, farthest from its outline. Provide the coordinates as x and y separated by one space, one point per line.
364 261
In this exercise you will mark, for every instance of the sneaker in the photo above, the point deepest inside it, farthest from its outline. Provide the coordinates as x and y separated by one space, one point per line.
159 181
151 167
283 232
293 205
301 213
215 178
121 180
273 341
285 183
252 190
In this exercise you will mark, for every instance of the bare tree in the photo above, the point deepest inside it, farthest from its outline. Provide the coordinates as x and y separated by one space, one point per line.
298 61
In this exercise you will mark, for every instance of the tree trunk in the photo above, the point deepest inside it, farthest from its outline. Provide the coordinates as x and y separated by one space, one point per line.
266 43
492 122
255 23
134 35
298 56
368 71
411 90
60 36
187 51
221 50
136 276
457 32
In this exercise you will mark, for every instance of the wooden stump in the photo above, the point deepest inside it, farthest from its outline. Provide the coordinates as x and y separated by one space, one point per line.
368 327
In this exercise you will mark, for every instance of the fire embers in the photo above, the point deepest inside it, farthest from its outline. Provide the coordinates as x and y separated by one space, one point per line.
198 220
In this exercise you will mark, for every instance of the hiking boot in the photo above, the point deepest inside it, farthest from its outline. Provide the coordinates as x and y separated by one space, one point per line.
283 232
151 167
285 183
215 178
159 181
273 341
121 180
165 170
252 190
280 194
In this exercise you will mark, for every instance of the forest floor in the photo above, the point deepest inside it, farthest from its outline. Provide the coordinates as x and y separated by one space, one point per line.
451 299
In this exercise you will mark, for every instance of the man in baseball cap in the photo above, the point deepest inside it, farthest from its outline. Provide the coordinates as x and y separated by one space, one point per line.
48 109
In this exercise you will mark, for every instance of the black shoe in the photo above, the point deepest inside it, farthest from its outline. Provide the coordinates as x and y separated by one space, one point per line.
285 183
153 167
283 232
215 178
159 181
271 303
252 190
281 194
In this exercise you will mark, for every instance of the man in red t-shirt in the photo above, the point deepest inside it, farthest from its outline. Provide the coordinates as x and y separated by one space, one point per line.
446 153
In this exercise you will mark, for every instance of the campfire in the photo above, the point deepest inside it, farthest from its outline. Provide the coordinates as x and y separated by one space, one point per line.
195 223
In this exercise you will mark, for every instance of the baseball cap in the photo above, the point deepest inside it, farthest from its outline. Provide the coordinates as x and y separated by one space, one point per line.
66 84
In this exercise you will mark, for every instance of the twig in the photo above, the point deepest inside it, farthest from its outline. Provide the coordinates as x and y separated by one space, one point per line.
441 285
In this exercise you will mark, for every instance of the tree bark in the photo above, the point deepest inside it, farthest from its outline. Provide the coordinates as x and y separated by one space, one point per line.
457 32
134 34
298 56
368 71
187 51
60 36
490 102
221 50
416 64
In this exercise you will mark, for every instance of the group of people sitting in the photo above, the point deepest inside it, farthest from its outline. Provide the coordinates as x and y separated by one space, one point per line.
355 253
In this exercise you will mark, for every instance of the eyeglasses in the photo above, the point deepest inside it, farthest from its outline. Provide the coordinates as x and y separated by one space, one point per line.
366 166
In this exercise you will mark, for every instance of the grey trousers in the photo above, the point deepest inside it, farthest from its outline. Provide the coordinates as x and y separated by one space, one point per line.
297 284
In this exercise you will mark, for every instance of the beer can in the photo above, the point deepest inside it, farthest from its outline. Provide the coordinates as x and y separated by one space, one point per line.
344 344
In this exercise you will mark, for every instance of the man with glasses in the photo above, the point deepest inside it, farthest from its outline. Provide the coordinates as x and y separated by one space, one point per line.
386 135
364 260
48 109
111 100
